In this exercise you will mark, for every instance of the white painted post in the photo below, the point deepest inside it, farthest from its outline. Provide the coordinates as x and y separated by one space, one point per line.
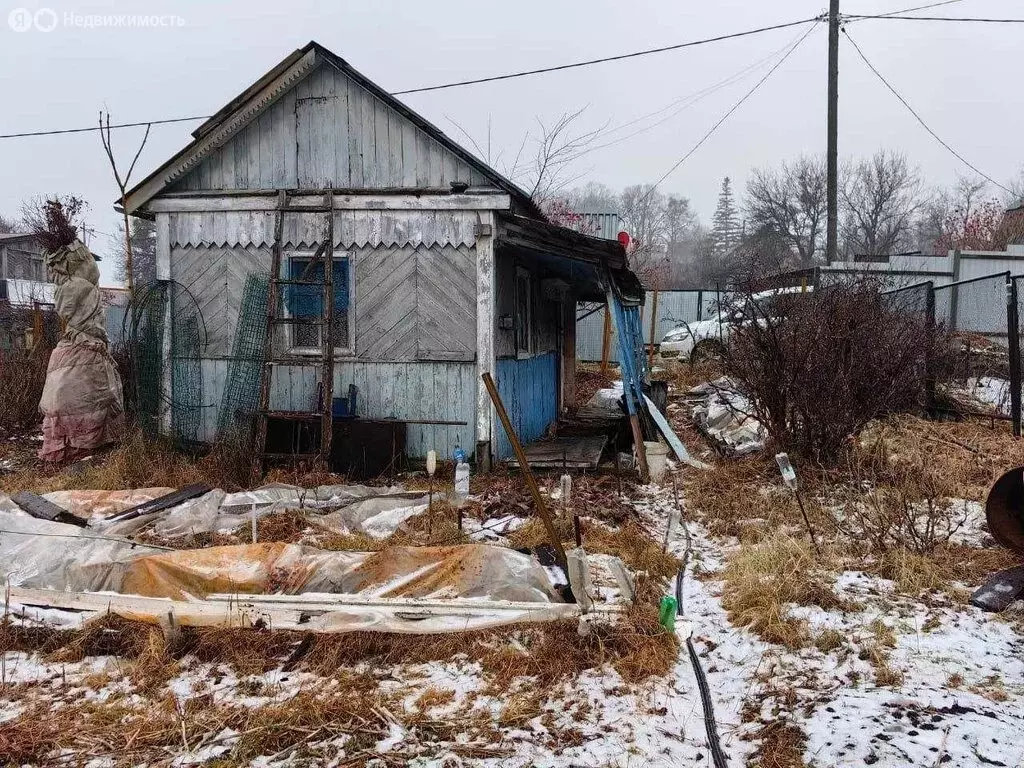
163 272
485 360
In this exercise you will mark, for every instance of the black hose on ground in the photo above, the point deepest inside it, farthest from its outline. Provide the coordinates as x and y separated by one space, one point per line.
718 757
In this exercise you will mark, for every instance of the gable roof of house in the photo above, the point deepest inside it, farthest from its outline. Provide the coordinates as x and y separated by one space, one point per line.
13 236
244 108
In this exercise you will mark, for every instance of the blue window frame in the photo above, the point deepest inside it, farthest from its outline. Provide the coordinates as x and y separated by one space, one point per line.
306 301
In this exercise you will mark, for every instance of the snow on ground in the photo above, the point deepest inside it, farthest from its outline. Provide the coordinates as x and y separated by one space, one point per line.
987 391
956 698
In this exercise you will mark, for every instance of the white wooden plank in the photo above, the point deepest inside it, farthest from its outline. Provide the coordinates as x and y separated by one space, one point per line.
382 145
252 154
369 146
241 161
279 147
369 202
422 159
341 130
163 246
485 354
395 125
409 150
355 135
436 164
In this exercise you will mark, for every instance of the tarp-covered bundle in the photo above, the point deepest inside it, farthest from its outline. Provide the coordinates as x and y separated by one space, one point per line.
82 403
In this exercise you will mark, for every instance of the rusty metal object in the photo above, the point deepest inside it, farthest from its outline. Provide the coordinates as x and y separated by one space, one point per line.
1004 510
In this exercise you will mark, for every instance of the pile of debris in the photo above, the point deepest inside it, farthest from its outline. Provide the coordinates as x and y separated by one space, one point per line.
725 416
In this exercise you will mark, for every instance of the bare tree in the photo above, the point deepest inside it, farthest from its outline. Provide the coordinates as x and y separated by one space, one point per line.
558 146
594 197
143 244
7 225
791 202
54 221
881 197
1016 194
644 215
947 216
122 185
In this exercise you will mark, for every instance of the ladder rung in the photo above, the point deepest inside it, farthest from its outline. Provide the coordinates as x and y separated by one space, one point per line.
319 283
306 209
289 456
294 415
298 362
297 321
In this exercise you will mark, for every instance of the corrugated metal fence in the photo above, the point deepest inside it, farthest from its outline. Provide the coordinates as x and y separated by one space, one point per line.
674 307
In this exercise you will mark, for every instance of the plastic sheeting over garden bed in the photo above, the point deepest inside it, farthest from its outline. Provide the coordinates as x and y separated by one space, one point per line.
97 569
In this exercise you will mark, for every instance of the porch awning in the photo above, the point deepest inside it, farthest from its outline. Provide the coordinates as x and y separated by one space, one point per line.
587 263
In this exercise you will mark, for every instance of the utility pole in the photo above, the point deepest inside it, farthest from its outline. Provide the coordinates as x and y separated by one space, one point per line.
832 230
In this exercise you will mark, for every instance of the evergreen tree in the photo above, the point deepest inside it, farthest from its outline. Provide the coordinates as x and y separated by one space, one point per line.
725 225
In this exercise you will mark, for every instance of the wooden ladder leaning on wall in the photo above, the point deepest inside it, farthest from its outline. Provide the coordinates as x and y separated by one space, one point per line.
324 255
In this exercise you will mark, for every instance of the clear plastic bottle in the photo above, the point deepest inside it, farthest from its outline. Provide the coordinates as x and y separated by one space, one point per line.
461 476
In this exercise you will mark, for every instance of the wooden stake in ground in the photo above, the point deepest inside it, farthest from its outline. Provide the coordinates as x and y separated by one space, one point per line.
122 185
789 478
524 465
654 326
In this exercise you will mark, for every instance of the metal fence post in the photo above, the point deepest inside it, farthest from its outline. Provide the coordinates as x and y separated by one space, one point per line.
718 304
700 304
929 363
1013 342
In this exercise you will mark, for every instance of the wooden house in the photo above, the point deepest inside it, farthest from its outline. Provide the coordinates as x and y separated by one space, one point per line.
444 269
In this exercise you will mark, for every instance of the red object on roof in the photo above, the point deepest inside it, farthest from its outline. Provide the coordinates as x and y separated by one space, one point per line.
623 238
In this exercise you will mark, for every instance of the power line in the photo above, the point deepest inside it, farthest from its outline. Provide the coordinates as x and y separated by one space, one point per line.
679 105
859 17
461 83
732 109
919 119
619 57
96 127
920 7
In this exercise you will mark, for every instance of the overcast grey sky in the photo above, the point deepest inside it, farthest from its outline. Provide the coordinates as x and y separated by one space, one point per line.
962 78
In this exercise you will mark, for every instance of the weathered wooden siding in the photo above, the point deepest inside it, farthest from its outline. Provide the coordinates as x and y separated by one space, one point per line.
328 131
216 277
529 390
425 391
414 272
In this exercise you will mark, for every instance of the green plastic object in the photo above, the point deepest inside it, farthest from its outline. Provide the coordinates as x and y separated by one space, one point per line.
667 615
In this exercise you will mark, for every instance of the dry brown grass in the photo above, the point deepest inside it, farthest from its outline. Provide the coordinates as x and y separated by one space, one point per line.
348 701
636 646
760 579
781 746
138 462
736 491
683 376
829 640
959 459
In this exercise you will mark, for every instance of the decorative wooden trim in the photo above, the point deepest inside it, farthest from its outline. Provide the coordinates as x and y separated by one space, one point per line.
404 202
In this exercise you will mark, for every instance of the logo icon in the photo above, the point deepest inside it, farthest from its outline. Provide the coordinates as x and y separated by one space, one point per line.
20 19
45 19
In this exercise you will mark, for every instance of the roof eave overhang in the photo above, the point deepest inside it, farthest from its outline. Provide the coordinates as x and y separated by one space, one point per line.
561 241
